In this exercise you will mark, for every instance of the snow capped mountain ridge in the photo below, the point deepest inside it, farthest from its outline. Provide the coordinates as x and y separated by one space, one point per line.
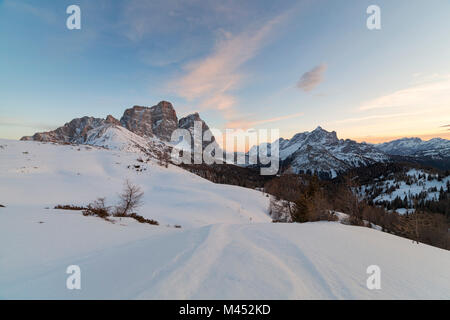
436 148
322 152
140 129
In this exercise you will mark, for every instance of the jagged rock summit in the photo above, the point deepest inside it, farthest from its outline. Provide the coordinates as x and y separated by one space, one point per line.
160 120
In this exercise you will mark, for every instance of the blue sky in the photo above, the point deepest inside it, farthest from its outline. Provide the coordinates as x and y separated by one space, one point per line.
291 65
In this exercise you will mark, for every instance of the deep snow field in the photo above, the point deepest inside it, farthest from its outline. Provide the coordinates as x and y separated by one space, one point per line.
226 247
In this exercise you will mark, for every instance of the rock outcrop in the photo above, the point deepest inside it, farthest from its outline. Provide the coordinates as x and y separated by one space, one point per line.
160 120
75 131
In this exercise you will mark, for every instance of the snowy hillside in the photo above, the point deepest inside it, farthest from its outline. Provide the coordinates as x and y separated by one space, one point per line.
226 247
115 137
402 189
45 175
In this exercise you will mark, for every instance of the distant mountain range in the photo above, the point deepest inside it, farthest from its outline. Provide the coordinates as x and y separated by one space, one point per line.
434 152
148 129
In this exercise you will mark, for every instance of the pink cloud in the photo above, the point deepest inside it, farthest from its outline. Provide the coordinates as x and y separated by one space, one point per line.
312 78
210 82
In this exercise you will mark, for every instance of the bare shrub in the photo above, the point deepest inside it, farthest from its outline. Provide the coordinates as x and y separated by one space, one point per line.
163 158
141 219
69 207
97 208
129 199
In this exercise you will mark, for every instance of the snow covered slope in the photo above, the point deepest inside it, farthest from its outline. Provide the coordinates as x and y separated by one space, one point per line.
227 246
45 174
115 137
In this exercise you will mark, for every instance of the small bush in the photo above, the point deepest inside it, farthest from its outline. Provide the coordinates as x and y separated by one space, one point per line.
356 221
330 216
141 219
2 206
177 226
102 213
97 208
70 207
129 200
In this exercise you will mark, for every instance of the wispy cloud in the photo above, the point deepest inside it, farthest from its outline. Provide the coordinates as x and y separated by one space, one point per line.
38 11
434 93
142 18
311 79
210 82
242 124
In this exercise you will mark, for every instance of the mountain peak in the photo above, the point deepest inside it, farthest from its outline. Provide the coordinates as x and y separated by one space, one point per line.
110 119
187 122
322 152
160 120
319 128
164 105
320 135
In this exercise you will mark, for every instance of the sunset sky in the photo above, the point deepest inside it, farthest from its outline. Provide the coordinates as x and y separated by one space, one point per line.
291 65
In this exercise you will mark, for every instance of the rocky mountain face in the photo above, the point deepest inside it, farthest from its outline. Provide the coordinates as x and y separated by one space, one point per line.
188 123
160 120
75 131
320 151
